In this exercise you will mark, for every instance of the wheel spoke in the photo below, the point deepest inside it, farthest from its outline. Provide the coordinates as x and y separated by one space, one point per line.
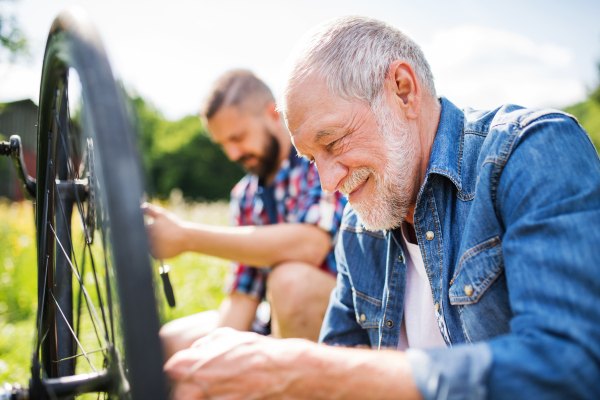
65 221
80 291
70 167
87 296
85 228
108 288
43 250
93 264
71 329
76 269
68 111
80 355
40 340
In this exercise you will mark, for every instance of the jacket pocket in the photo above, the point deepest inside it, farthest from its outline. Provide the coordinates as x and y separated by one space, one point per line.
477 269
367 310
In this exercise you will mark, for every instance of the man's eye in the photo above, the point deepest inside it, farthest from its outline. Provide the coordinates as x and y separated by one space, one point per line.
237 138
332 144
309 158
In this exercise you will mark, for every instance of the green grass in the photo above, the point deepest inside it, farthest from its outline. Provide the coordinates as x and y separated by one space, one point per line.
18 303
196 279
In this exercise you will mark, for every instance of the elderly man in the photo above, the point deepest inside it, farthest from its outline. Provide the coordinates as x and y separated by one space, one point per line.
284 223
471 245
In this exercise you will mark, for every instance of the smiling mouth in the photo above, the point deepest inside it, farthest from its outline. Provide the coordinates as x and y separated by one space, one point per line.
357 189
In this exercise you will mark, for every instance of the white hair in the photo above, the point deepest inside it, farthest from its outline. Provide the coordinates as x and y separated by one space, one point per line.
353 55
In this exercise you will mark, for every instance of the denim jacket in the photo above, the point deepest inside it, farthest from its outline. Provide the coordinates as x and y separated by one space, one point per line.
508 224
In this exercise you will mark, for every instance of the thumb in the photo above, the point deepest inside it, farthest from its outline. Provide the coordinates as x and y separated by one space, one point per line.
151 210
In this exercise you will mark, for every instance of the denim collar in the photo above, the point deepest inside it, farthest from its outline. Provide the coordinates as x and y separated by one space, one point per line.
446 153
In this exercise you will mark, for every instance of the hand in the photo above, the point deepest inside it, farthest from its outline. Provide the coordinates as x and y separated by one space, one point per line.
229 364
232 365
166 232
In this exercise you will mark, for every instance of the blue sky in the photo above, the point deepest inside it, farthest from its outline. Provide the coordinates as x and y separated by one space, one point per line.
483 53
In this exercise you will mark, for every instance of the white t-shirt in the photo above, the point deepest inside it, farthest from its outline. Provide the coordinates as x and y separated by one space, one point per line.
419 328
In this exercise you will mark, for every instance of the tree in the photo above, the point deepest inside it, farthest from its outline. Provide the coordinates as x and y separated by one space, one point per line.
595 94
179 154
12 37
588 113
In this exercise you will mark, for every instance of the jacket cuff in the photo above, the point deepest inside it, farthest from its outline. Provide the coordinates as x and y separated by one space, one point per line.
458 373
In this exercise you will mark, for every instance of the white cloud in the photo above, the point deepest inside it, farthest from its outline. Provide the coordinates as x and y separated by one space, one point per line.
484 68
18 81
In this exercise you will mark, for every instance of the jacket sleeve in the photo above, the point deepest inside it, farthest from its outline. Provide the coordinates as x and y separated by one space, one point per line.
548 201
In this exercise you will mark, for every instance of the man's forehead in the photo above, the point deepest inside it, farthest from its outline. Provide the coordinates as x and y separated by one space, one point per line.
312 109
228 121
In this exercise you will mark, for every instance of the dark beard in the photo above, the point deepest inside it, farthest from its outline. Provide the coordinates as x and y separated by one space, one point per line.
269 161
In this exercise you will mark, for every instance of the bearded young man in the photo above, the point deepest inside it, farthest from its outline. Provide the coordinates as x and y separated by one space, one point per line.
284 225
471 244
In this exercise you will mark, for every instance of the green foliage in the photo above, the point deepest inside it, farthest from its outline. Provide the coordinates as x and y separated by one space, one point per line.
179 154
588 113
595 94
18 302
196 279
17 249
11 37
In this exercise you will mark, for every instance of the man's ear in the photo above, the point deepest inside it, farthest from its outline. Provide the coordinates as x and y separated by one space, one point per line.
271 111
402 81
204 122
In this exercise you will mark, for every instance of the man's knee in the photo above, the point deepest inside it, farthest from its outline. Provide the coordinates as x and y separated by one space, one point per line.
291 288
179 334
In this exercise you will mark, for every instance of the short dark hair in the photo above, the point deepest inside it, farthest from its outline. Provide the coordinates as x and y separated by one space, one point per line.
238 87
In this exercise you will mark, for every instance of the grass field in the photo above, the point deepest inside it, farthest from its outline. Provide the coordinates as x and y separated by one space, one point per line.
197 280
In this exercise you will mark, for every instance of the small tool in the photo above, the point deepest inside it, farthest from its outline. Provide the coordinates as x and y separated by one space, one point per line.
163 271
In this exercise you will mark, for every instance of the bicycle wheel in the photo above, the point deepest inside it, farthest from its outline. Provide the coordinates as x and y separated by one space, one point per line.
86 161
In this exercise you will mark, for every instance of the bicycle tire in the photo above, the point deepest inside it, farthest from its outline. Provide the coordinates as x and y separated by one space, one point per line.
133 356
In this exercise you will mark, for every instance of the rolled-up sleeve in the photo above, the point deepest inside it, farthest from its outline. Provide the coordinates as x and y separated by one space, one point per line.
452 374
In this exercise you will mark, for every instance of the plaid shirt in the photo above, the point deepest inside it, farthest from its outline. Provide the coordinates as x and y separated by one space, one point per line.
298 199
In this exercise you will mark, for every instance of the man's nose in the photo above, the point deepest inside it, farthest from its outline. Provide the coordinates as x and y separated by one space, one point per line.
331 174
233 151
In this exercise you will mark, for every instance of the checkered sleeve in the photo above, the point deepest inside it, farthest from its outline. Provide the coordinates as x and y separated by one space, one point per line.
243 278
315 206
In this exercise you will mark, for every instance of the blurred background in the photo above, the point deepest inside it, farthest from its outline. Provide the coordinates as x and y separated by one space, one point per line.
167 54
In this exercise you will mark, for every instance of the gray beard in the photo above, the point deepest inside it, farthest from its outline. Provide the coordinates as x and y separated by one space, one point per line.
394 189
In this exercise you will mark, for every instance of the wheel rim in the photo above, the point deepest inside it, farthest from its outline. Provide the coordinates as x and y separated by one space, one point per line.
107 265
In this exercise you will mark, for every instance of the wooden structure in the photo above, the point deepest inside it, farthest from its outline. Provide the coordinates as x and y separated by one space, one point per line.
18 118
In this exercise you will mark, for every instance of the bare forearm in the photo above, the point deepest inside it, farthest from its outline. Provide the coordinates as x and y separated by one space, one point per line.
258 245
344 374
229 364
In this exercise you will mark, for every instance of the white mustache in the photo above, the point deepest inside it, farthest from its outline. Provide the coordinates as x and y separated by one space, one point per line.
356 178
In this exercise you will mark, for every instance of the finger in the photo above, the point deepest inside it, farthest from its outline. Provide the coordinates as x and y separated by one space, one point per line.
151 210
183 363
188 391
216 335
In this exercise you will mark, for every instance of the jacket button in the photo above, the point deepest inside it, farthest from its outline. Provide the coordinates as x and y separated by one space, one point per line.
389 323
363 317
468 290
429 235
437 306
400 258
